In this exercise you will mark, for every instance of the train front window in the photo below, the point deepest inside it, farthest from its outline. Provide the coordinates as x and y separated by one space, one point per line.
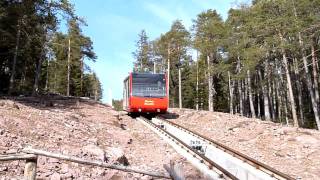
148 85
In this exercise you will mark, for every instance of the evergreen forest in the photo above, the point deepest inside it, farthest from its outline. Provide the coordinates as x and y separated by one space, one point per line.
261 62
36 57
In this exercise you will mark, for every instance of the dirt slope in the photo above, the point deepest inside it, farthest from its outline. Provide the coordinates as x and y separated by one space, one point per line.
84 129
294 151
91 130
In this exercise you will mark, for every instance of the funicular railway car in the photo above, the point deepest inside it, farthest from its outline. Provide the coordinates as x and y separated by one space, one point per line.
145 93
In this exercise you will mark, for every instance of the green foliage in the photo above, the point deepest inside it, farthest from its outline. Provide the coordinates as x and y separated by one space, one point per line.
117 104
209 32
142 55
28 31
92 87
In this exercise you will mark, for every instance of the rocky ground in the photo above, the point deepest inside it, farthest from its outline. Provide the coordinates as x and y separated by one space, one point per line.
294 151
93 131
81 128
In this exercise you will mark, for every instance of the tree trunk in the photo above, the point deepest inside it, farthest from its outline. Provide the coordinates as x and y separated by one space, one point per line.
265 97
81 77
290 91
168 76
309 84
274 102
38 72
278 91
286 109
13 71
315 73
245 97
289 85
298 82
240 97
180 96
197 87
269 94
253 113
230 94
258 97
280 104
23 77
284 97
68 73
210 85
47 76
55 78
308 78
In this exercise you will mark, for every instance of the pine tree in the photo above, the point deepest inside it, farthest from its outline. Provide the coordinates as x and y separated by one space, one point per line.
142 55
172 48
209 32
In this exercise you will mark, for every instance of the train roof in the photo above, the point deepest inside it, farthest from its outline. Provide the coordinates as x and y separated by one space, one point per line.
143 74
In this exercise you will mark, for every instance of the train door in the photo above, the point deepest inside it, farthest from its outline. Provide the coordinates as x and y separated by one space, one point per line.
126 94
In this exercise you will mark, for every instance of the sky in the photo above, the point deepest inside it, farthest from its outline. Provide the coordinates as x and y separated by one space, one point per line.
114 25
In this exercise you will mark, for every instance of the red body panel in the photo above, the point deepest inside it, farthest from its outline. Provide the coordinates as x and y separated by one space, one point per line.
146 104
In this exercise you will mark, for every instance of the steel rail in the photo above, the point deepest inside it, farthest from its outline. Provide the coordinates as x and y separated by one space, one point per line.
211 164
258 165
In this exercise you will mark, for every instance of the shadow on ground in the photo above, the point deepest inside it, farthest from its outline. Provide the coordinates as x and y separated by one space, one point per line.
170 115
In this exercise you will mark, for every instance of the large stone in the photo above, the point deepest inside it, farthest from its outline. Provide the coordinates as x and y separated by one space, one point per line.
306 139
285 130
64 168
116 155
98 171
95 151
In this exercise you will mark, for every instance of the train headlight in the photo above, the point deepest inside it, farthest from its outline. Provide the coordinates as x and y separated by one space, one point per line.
158 110
139 109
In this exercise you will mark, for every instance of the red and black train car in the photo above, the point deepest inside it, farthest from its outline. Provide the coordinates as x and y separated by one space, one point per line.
145 93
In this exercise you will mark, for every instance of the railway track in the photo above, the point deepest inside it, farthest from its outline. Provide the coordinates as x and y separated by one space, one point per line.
214 159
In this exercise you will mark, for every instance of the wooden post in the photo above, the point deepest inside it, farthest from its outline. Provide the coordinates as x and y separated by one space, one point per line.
30 170
175 171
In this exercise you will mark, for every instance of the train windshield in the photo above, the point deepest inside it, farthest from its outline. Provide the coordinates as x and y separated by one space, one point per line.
148 85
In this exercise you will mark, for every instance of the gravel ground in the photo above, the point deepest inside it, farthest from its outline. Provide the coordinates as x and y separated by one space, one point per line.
85 129
93 131
294 151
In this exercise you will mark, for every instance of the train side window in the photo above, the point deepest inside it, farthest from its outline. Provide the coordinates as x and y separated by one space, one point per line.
128 88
